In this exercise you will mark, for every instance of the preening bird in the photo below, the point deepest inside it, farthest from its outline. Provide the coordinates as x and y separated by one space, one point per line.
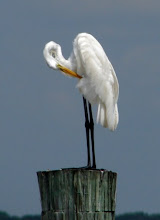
97 82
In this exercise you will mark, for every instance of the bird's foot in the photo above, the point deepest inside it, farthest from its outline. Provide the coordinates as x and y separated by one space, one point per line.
88 168
81 168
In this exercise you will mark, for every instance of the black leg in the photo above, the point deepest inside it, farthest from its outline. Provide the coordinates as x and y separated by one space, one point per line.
92 135
87 125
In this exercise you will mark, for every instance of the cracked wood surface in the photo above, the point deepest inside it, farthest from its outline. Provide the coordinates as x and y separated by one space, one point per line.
77 194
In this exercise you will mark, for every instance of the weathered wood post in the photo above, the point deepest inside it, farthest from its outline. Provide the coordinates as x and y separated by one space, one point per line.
77 194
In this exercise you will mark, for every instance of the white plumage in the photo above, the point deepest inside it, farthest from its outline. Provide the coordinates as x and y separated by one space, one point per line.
97 79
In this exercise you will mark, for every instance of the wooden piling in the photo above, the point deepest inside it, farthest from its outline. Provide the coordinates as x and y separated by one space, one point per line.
77 194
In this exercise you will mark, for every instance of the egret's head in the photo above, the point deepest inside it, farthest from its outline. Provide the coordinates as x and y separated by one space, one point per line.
50 54
55 60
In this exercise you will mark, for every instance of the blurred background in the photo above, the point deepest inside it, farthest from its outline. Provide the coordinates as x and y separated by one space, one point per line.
42 118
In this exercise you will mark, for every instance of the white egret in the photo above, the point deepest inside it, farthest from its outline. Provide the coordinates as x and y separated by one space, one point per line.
97 81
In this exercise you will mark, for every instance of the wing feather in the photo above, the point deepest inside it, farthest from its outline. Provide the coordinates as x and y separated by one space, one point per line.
99 83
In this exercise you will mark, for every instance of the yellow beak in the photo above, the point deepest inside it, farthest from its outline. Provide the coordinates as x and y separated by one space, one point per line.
68 71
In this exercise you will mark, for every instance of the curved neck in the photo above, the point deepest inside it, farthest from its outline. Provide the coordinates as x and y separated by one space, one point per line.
70 63
61 60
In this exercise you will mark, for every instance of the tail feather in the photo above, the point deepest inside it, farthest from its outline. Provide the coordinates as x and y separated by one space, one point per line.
108 118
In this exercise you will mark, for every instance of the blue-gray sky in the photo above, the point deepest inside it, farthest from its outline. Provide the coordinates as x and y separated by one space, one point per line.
42 120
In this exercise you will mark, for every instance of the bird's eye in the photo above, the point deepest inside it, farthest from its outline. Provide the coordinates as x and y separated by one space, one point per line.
53 54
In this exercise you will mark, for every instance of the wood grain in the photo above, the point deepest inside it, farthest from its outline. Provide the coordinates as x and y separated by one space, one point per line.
76 194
